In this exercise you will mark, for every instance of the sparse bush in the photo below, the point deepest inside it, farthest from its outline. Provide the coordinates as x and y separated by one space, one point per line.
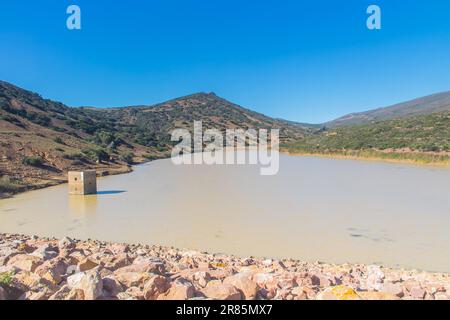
7 185
58 140
33 161
6 278
128 158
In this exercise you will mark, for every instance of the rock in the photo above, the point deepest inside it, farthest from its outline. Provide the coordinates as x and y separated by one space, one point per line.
375 277
132 279
66 243
217 290
394 289
26 280
25 262
135 292
181 289
372 295
145 265
417 292
111 287
202 277
52 270
74 280
338 293
45 252
2 293
61 294
156 286
244 283
263 279
86 264
322 280
75 294
92 285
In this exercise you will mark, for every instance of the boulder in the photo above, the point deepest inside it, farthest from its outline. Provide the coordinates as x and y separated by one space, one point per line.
217 290
181 289
86 264
25 262
156 286
375 277
92 286
244 283
132 279
45 252
338 293
52 270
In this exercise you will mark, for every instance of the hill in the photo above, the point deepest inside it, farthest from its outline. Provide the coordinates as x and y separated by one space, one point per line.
439 102
423 138
42 139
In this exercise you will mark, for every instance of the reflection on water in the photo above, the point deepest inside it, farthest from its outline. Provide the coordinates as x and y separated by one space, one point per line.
81 206
314 209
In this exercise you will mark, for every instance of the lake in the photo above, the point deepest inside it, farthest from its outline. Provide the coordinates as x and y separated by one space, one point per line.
315 209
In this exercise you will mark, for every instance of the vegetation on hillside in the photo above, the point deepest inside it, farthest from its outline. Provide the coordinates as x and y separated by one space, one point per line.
424 138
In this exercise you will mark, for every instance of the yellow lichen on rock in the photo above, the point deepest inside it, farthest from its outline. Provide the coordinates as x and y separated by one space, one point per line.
338 293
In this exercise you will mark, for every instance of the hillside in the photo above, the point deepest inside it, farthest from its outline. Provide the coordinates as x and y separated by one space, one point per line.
425 138
439 102
42 139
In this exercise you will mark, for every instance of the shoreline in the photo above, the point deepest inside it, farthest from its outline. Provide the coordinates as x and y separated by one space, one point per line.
116 171
39 268
337 156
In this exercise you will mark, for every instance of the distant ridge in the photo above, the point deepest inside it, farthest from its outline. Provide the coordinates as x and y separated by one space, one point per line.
438 102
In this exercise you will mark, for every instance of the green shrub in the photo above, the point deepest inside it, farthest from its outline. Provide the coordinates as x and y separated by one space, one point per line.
33 161
128 157
7 185
6 278
58 140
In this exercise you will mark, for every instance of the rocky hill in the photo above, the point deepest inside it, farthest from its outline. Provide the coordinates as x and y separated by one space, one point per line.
42 139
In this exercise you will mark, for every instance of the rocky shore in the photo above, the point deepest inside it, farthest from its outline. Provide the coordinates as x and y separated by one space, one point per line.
34 268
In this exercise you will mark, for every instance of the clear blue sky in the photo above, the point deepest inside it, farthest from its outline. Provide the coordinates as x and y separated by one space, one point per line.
307 61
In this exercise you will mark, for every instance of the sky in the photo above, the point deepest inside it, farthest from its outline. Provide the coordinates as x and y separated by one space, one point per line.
306 61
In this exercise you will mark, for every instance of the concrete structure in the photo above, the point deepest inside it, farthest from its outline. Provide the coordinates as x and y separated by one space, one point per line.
82 182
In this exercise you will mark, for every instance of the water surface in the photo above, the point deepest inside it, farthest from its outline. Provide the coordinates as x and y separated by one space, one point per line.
314 209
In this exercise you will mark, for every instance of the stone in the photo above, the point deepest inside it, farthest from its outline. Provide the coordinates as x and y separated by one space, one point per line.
244 283
135 292
156 286
86 264
202 277
75 294
61 294
45 252
340 292
2 294
25 262
394 289
373 295
111 287
417 292
74 280
375 277
217 290
132 279
181 289
66 243
52 270
145 265
92 285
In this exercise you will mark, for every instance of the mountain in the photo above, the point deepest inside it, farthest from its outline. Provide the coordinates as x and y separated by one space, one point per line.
439 102
42 139
424 133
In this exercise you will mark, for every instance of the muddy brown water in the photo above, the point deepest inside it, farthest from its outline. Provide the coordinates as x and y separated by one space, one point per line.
314 209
